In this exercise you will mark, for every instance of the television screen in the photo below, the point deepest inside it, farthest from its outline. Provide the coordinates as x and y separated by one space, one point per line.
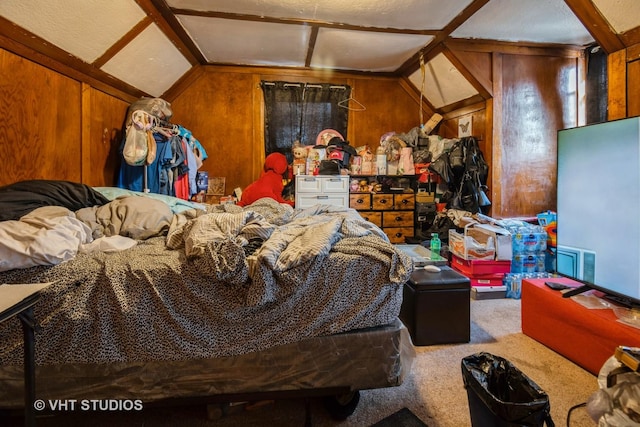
598 205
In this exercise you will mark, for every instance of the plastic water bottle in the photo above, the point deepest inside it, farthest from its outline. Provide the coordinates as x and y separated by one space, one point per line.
435 245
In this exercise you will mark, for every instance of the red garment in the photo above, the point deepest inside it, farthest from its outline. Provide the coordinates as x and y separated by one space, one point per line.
270 182
181 183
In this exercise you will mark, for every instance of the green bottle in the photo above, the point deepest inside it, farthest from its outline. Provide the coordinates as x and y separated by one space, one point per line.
435 245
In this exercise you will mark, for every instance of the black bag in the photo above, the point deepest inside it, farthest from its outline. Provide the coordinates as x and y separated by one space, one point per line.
442 168
501 395
329 167
456 157
474 159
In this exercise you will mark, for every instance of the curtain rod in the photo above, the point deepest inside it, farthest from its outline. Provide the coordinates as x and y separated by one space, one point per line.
315 86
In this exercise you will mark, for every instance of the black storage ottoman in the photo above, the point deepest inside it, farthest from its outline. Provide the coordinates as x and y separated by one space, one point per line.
435 308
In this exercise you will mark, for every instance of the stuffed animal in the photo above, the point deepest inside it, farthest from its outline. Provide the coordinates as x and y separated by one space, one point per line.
270 182
300 153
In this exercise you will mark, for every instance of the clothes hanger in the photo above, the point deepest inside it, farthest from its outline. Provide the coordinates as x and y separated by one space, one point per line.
345 103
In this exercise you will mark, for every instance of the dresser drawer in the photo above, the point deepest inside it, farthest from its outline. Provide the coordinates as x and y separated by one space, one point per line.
373 217
398 234
335 184
360 201
382 201
397 219
307 200
308 184
404 201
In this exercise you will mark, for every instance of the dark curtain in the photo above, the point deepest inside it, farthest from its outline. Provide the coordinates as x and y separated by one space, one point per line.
597 88
299 111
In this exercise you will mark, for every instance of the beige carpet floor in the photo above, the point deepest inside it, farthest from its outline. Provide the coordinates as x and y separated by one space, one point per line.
433 390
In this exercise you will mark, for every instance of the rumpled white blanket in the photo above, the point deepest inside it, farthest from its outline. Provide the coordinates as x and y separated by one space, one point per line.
46 236
214 244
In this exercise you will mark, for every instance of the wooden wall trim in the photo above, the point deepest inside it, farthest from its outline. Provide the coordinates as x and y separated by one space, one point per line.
489 142
414 93
633 53
465 110
491 46
617 84
466 73
85 132
496 130
631 37
596 24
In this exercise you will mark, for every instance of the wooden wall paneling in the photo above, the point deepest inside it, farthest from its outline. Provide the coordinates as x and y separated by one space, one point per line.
539 98
85 132
40 127
633 80
389 108
259 154
218 109
103 117
488 149
496 176
631 37
224 109
478 119
581 84
617 84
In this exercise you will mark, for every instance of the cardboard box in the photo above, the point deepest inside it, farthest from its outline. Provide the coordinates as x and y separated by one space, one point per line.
423 196
501 237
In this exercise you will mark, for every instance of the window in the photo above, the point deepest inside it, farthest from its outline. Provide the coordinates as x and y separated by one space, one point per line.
300 111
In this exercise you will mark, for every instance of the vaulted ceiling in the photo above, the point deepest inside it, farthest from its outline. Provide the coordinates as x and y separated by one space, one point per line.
146 47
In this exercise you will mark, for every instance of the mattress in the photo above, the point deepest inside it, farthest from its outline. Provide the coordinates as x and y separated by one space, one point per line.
357 360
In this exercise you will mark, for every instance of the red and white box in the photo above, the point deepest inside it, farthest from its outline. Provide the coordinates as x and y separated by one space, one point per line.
480 267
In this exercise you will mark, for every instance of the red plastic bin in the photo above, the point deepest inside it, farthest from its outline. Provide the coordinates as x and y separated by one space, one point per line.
480 267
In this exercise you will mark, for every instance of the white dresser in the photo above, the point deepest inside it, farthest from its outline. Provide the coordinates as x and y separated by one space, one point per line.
322 190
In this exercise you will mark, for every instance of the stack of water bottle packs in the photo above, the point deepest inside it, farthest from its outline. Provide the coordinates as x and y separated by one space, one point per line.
529 246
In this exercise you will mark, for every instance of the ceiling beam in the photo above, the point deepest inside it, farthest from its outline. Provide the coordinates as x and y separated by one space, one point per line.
596 24
171 27
313 38
413 63
124 40
291 21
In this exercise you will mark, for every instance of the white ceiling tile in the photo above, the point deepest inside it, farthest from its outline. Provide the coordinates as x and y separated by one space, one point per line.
539 21
150 62
248 42
407 14
623 15
84 28
368 51
443 83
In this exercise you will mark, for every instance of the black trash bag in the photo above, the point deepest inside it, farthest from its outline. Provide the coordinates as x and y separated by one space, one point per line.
501 395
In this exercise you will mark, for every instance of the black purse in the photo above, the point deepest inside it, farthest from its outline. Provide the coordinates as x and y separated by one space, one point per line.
441 167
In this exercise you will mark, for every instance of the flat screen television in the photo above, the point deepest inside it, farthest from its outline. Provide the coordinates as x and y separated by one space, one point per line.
598 208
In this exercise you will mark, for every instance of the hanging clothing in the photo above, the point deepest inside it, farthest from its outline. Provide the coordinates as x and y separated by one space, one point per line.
132 177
